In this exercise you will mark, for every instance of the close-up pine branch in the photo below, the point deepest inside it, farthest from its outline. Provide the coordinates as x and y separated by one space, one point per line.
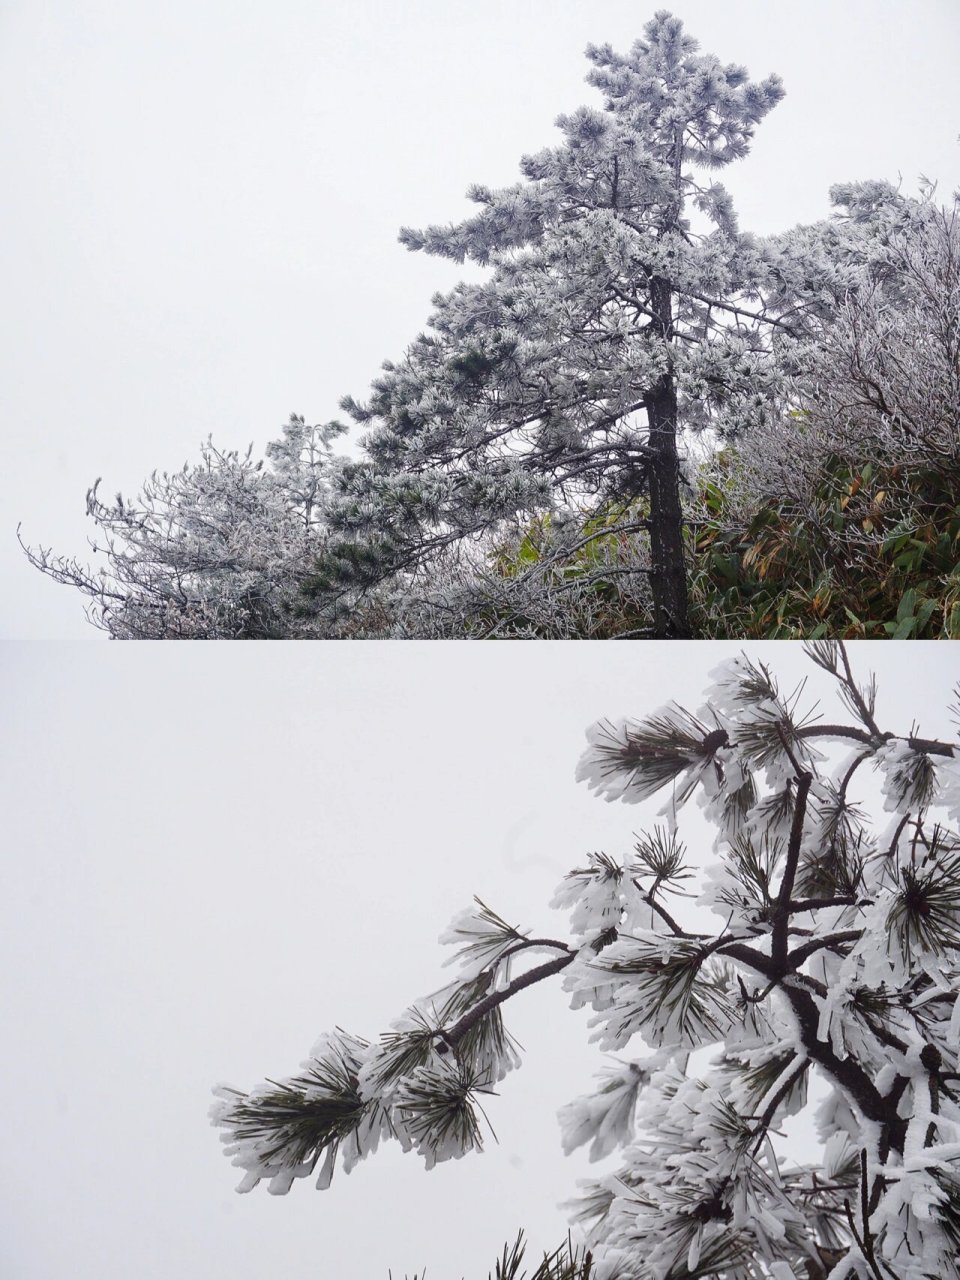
827 985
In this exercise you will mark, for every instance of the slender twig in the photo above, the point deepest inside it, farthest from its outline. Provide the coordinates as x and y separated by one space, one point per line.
865 1243
663 913
770 1110
856 695
898 832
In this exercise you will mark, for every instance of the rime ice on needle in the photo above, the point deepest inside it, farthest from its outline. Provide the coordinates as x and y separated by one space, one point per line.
836 957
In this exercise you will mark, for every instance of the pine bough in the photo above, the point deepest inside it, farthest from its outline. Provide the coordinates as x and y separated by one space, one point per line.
836 958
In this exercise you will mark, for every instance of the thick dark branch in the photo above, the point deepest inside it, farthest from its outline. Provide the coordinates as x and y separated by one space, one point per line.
527 943
840 731
755 960
847 1073
456 1033
781 914
928 746
800 955
738 311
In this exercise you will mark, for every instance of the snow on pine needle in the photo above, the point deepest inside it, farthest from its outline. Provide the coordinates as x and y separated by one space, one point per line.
833 961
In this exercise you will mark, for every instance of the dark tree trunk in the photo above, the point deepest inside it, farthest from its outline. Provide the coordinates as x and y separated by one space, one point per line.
668 578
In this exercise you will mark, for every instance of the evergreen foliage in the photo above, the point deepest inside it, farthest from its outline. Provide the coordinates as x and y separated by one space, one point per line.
565 1263
214 551
641 422
843 518
830 984
608 320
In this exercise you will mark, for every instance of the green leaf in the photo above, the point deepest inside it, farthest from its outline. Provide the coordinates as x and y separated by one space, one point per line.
907 606
903 629
925 613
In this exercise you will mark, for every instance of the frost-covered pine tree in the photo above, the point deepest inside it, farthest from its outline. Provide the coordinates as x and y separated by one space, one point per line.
828 985
841 513
217 550
621 305
878 383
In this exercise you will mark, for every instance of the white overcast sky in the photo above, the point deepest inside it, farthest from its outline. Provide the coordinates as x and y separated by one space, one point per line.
202 197
214 853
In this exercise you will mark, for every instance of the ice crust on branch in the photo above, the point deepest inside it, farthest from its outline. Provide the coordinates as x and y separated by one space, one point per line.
837 960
